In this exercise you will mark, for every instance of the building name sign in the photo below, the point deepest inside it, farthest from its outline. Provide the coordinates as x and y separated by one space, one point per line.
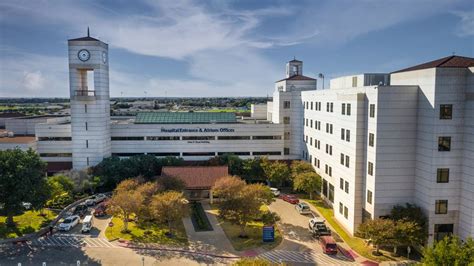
196 130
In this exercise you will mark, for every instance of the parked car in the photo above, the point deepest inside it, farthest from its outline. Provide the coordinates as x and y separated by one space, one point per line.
86 224
289 198
320 230
80 210
275 191
328 245
100 210
303 208
89 202
69 223
315 221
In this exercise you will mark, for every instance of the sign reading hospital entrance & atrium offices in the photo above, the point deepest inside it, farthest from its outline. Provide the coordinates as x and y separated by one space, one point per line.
196 130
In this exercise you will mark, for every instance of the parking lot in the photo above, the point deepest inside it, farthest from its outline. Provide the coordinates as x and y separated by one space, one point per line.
298 245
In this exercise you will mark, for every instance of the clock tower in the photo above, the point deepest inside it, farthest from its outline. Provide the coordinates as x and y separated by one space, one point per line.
90 101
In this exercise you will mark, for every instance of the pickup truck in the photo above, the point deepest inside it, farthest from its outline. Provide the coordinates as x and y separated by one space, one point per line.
320 230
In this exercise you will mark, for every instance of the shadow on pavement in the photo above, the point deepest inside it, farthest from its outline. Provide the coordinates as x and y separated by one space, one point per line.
56 256
161 255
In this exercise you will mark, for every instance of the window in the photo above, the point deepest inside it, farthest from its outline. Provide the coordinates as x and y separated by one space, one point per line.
199 138
286 151
241 153
239 137
330 171
55 154
343 133
332 107
287 135
86 126
372 110
369 196
441 207
329 149
346 212
342 159
348 112
286 105
311 141
266 137
341 207
343 109
199 153
87 143
127 138
267 153
311 123
311 105
306 122
443 230
442 175
346 187
319 125
341 183
371 168
164 154
162 138
85 108
371 139
347 161
354 81
87 161
444 143
331 193
54 138
319 145
327 107
446 111
348 135
286 120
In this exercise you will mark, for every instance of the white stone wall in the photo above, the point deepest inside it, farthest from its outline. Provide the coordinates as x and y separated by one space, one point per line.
24 126
258 111
97 117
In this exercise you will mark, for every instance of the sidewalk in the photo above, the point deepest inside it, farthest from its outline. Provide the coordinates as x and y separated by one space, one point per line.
215 242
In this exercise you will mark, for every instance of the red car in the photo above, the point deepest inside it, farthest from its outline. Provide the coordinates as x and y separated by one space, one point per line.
100 210
328 245
290 198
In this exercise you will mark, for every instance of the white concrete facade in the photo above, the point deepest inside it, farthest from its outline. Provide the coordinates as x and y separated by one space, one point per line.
394 131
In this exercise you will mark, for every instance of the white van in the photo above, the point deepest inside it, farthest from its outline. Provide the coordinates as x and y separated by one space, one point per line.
87 224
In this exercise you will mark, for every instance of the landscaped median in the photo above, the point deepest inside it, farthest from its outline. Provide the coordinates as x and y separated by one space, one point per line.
357 244
26 223
146 233
254 232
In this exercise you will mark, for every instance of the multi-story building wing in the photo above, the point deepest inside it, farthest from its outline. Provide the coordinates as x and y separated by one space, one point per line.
393 139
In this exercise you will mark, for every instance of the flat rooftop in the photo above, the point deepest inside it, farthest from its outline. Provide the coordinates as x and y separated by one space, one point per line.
19 139
184 118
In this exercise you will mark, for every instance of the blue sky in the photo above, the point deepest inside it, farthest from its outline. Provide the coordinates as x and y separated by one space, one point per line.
224 48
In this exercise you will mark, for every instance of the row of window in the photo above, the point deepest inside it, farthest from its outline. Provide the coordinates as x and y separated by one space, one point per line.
345 160
177 154
345 107
163 138
344 185
54 138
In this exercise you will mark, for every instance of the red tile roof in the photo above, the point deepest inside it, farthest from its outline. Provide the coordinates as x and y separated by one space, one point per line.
196 177
450 61
17 139
297 77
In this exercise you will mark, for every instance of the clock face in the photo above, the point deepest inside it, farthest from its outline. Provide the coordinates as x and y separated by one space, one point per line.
104 57
83 55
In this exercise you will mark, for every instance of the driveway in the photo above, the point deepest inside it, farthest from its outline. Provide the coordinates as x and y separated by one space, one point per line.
298 246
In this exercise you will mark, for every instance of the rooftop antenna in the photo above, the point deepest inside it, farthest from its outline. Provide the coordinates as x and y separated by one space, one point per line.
88 35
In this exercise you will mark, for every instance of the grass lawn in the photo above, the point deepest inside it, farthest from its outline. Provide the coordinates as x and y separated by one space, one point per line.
357 244
254 231
151 233
28 222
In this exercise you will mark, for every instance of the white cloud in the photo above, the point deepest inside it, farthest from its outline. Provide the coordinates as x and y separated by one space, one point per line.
33 80
466 25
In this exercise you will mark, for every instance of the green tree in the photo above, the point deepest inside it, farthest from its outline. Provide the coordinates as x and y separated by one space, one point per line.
252 169
169 208
379 231
411 212
276 172
308 182
299 167
240 203
234 163
61 188
449 251
407 233
22 178
254 262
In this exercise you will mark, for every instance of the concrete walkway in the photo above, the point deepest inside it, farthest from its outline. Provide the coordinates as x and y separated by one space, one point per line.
214 242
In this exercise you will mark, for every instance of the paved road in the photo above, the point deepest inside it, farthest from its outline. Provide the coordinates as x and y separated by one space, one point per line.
298 246
72 240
